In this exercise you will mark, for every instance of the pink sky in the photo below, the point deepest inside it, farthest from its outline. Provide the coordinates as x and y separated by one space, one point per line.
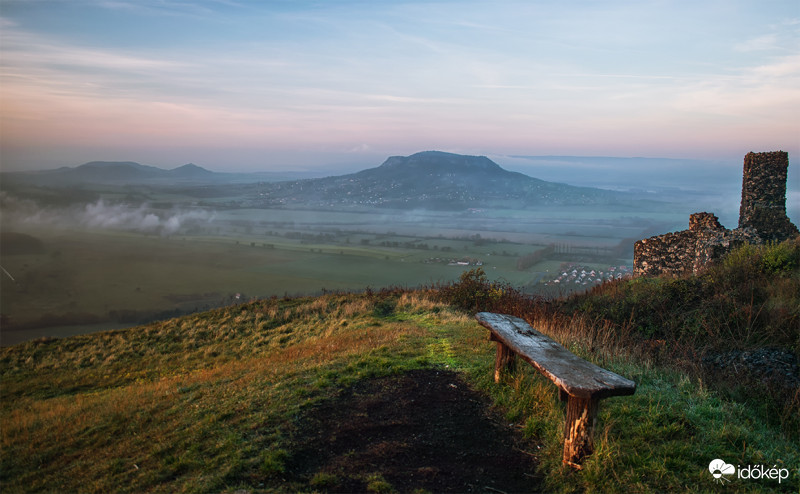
258 88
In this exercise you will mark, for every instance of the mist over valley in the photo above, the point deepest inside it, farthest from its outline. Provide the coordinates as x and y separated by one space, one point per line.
111 244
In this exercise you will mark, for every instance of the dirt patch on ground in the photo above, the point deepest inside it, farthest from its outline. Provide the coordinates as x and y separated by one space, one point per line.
425 430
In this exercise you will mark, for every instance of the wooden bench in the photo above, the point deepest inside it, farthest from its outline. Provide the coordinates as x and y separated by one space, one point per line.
581 384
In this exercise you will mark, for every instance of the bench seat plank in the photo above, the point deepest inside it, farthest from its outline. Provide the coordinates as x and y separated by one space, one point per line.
574 375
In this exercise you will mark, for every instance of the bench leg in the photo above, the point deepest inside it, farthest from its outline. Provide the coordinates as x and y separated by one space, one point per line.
505 361
579 429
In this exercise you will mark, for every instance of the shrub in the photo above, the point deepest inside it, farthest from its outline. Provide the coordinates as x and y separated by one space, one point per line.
781 258
474 292
743 301
384 307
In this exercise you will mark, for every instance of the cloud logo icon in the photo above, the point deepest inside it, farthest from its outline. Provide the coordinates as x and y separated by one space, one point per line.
718 468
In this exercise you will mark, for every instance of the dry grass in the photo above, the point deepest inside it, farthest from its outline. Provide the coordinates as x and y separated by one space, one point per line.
208 402
197 401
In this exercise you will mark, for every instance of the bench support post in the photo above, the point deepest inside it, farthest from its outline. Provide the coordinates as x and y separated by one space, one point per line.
580 383
505 361
579 429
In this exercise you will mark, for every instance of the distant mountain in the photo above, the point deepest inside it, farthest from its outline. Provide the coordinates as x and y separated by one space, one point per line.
432 180
111 165
132 173
111 172
426 180
190 171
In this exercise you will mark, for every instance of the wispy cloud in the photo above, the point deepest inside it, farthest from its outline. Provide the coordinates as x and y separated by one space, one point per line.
779 37
166 7
763 94
39 62
338 74
759 43
780 67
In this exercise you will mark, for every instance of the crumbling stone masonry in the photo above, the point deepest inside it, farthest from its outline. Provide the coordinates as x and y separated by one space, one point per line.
762 218
687 251
763 205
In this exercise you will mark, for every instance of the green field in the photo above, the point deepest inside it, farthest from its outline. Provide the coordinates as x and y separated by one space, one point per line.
87 278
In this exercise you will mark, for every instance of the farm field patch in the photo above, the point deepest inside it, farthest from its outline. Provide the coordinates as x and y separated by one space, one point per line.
85 279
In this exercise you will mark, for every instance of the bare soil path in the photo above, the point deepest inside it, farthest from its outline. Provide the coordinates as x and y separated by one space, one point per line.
422 431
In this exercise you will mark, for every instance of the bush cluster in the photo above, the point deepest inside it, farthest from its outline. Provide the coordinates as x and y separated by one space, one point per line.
474 292
749 299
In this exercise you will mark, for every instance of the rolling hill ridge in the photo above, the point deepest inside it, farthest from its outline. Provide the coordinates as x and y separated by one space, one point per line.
132 173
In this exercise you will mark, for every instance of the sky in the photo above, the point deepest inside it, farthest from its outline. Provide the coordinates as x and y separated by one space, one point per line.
279 84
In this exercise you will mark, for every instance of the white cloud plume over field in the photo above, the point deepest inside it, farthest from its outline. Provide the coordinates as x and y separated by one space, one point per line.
102 214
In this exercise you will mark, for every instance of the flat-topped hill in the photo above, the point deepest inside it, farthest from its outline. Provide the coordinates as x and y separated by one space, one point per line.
433 180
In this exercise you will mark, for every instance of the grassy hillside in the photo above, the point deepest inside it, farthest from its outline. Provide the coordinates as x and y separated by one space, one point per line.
224 400
750 299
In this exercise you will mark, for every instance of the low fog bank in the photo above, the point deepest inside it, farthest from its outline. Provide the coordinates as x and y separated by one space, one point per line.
714 186
143 218
648 174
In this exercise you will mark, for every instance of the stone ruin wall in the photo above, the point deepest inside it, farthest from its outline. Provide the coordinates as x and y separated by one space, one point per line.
687 250
763 206
762 218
